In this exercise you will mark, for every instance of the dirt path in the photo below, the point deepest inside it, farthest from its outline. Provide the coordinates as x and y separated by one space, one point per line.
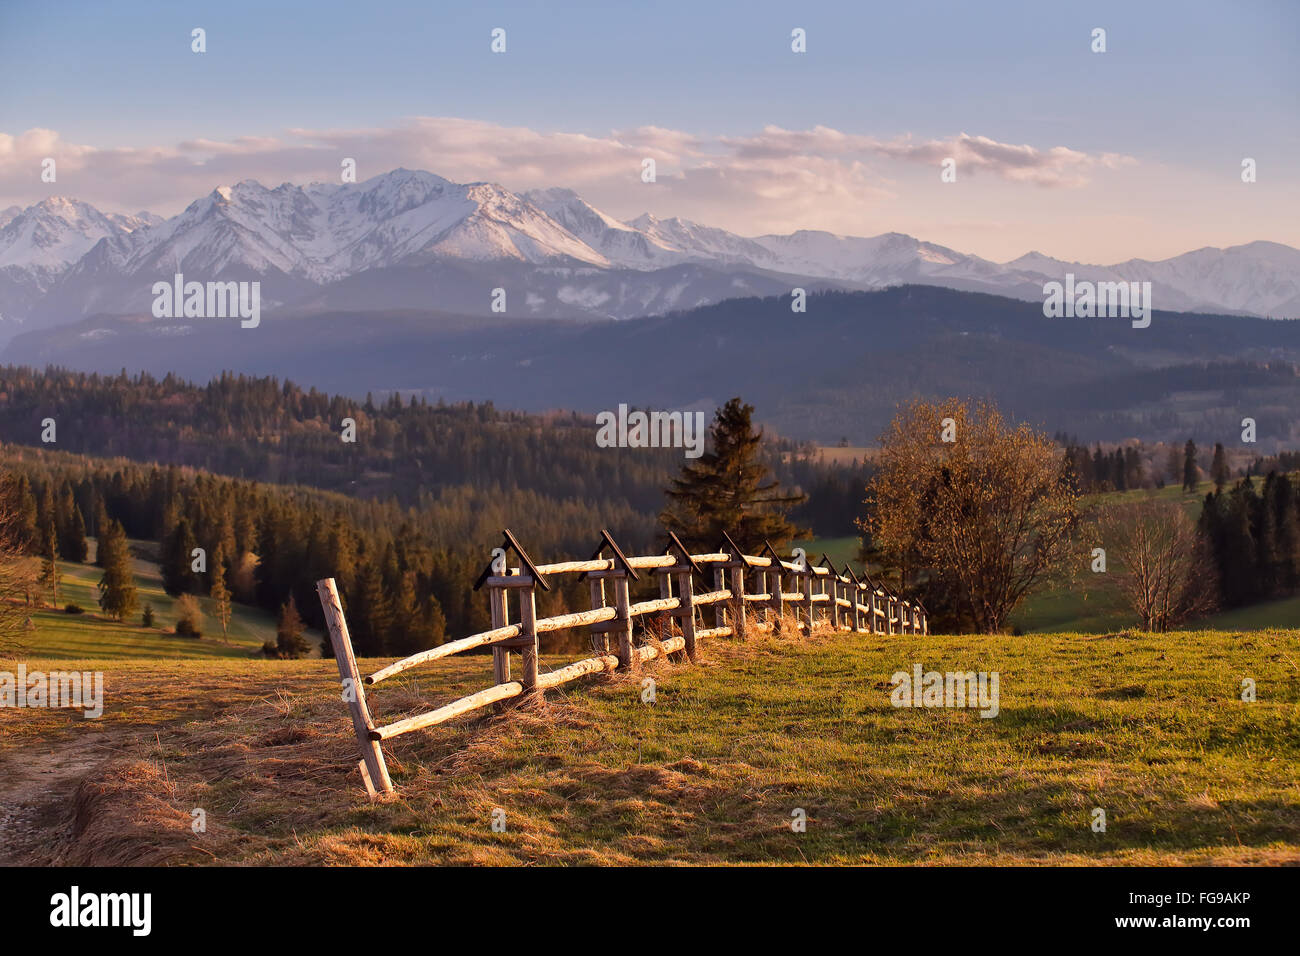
36 785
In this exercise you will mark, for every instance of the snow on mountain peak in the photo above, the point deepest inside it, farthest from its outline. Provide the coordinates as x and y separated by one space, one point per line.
313 235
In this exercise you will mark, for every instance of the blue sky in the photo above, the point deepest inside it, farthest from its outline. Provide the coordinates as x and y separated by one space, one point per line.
1184 91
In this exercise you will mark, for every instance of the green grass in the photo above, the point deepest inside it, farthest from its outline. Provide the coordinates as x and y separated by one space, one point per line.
60 635
1282 613
1150 728
839 550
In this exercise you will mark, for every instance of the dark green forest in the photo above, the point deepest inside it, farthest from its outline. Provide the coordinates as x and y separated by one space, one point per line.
256 471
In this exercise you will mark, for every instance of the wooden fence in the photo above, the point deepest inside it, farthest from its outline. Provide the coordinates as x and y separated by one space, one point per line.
750 593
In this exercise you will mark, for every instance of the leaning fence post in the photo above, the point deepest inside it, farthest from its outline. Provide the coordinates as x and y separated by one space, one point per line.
373 769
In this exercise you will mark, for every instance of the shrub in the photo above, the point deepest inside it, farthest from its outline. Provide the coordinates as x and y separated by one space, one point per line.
188 616
74 609
147 617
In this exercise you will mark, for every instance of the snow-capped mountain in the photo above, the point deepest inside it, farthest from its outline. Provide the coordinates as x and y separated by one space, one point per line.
40 243
1259 278
411 239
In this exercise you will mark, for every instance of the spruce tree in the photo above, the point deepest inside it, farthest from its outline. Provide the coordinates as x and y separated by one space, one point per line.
49 554
102 524
77 549
178 560
289 642
1219 467
726 490
219 593
26 532
1189 466
117 592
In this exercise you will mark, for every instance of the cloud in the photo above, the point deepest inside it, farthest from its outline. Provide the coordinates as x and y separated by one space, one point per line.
775 179
1057 166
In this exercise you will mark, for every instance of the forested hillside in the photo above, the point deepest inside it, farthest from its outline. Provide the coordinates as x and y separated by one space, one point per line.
837 370
458 460
256 473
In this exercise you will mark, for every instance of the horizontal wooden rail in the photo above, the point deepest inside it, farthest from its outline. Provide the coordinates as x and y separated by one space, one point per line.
446 650
454 709
576 619
592 665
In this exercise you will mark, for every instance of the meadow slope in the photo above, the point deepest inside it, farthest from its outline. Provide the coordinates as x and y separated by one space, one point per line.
1150 728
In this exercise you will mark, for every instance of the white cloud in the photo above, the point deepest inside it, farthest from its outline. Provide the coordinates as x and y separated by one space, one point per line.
776 179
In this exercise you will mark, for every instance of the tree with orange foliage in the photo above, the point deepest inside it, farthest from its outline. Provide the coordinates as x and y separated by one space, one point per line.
982 510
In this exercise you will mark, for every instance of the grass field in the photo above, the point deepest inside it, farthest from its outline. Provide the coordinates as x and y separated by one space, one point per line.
1150 728
63 636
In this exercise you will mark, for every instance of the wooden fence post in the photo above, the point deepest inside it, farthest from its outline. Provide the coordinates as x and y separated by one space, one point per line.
686 594
373 768
622 623
599 638
738 597
528 642
774 583
500 618
807 597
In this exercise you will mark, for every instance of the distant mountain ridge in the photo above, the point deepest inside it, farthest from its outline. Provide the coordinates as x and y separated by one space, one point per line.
411 239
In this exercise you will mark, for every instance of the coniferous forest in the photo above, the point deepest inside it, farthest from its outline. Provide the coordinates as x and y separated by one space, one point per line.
256 473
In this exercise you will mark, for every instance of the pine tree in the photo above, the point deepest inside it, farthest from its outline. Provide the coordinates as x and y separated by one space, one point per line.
1190 471
77 548
102 524
178 560
117 592
726 490
289 642
1286 518
373 613
49 541
1174 464
1219 467
219 593
26 532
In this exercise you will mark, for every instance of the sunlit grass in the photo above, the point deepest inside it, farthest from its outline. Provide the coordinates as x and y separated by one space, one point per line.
1150 728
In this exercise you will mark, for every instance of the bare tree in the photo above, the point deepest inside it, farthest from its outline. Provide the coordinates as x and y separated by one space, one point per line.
1156 562
18 575
983 509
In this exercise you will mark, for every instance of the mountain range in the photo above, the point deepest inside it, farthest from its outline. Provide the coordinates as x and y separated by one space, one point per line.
413 240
